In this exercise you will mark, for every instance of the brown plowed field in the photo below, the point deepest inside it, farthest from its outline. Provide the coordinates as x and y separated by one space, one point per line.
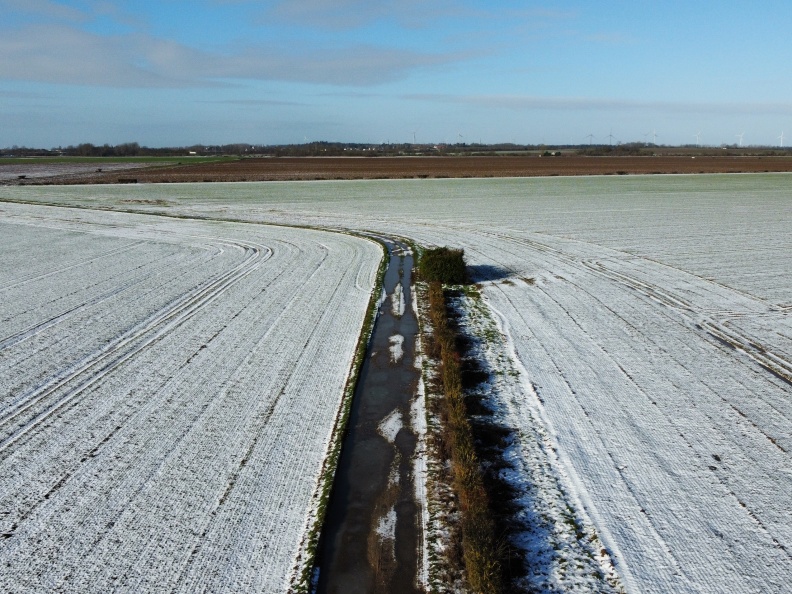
329 168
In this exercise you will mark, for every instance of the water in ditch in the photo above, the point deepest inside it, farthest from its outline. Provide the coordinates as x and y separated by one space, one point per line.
371 533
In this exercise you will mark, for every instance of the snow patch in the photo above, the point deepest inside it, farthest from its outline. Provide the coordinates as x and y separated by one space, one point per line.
394 478
386 526
558 533
396 350
397 301
391 425
420 470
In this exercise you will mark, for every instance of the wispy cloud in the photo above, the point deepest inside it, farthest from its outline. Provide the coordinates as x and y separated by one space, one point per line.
21 95
352 66
120 14
349 14
66 55
89 11
256 103
523 102
43 9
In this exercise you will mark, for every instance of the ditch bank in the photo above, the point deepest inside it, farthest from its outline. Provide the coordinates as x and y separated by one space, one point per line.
371 539
501 519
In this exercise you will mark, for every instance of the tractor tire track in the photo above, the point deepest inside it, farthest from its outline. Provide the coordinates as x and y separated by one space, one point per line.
47 399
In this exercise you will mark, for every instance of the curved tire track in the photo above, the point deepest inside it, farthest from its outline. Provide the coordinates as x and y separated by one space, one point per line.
45 400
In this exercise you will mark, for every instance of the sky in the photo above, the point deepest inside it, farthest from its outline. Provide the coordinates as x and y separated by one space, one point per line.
178 72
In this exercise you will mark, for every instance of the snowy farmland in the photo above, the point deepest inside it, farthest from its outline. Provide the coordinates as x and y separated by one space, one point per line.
649 319
169 390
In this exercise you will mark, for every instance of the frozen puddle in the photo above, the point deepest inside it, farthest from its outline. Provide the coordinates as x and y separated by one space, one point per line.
397 301
386 528
391 425
396 347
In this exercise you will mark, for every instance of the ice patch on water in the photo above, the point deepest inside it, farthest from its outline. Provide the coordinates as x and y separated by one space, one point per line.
391 425
386 527
396 350
397 301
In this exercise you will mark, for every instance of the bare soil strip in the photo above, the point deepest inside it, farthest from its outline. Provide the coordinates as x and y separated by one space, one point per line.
345 168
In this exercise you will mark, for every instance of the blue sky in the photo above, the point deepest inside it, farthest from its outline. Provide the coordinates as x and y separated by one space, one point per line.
174 72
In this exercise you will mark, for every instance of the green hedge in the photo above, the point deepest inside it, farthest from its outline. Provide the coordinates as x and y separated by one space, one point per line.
443 265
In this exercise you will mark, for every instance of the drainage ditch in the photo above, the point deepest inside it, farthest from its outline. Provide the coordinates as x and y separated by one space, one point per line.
371 534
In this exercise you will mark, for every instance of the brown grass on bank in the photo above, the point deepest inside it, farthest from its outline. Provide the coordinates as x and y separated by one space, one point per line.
479 545
381 551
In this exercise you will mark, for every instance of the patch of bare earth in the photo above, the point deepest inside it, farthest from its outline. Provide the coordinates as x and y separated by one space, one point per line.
332 168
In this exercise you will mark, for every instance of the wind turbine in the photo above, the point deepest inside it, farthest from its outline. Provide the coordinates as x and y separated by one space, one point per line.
781 138
590 137
740 136
698 138
610 137
414 131
654 137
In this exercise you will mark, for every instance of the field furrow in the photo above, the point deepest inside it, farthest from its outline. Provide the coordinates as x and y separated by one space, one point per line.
183 450
648 319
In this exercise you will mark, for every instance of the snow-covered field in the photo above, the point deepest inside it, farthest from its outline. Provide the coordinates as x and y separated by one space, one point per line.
650 320
168 390
32 170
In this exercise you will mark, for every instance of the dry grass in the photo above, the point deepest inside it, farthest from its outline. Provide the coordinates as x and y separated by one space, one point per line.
480 549
381 551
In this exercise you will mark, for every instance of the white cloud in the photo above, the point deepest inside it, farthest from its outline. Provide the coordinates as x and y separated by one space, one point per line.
64 55
58 54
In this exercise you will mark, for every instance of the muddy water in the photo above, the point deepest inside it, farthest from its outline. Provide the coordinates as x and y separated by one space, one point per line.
371 535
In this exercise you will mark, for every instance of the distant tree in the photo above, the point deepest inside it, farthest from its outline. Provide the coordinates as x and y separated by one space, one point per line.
86 149
128 149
